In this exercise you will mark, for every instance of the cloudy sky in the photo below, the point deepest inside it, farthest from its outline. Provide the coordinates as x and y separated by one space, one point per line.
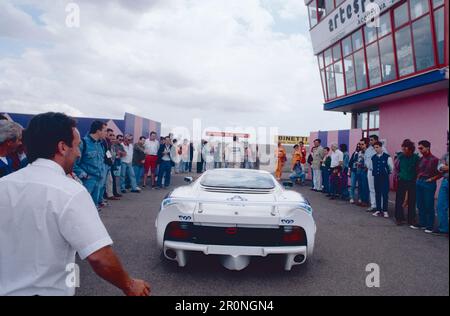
231 63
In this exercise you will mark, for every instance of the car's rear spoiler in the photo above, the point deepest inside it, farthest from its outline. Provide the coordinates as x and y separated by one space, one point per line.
237 202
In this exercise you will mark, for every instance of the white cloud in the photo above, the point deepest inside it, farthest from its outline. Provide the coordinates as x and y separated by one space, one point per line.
172 61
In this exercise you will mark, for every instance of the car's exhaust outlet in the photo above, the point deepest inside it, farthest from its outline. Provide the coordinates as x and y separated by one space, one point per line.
171 254
235 263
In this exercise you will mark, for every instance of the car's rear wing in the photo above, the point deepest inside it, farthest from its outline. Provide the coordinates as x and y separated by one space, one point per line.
239 202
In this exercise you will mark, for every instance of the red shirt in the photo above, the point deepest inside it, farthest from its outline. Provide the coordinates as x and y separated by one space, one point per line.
303 150
428 166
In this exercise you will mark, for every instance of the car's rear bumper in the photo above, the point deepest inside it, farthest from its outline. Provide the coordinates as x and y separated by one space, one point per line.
294 255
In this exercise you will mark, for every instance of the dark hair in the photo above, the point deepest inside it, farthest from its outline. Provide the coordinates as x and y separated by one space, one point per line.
44 132
318 140
153 133
343 147
327 148
407 143
119 136
301 143
364 140
425 143
296 146
109 130
3 118
142 137
378 144
96 126
374 137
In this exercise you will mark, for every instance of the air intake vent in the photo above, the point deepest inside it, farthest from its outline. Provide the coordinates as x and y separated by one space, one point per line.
236 191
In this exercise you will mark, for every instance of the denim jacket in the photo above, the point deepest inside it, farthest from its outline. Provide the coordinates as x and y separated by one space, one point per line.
92 160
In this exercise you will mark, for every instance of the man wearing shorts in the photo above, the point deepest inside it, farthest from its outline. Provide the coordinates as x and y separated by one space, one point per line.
151 158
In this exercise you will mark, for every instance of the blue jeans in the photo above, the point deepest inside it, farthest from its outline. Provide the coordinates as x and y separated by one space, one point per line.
344 184
442 207
103 185
354 181
165 169
294 176
93 185
139 173
126 171
425 203
382 192
326 179
363 186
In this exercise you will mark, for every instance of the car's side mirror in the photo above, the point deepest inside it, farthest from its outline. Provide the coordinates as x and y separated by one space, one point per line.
188 179
288 184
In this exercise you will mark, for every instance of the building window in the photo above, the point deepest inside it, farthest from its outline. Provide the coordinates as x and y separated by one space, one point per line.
339 74
321 11
360 70
423 43
331 85
411 38
369 122
385 25
418 8
324 84
349 67
370 34
347 46
312 10
439 24
401 15
357 40
328 57
388 70
373 64
404 51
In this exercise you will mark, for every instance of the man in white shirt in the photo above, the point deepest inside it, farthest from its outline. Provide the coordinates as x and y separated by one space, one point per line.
47 217
235 154
151 157
126 167
337 161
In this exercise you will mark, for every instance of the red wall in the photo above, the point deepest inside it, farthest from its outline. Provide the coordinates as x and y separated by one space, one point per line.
423 117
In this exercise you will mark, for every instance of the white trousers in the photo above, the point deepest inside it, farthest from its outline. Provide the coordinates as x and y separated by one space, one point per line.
317 180
370 178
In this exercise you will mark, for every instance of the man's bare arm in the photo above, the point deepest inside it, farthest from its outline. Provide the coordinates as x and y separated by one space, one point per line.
107 265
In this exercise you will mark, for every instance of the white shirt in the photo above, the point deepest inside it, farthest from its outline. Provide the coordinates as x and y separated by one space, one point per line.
129 150
45 218
4 160
235 152
336 157
151 147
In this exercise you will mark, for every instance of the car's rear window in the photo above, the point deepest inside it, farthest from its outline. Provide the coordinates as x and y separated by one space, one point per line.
238 178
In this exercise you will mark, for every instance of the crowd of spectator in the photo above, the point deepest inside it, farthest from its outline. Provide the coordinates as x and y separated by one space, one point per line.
366 177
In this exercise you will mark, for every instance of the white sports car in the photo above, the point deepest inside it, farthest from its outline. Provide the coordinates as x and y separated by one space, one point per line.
236 214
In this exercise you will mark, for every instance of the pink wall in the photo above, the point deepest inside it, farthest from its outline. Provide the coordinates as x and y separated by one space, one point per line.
422 117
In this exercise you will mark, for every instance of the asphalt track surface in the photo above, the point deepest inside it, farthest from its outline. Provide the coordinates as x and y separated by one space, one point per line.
348 239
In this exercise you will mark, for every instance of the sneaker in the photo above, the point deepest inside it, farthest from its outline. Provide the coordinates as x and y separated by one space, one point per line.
135 191
124 191
416 227
352 201
386 214
377 213
370 210
428 231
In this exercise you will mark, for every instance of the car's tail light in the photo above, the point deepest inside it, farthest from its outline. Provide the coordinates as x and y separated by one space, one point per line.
293 234
179 231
